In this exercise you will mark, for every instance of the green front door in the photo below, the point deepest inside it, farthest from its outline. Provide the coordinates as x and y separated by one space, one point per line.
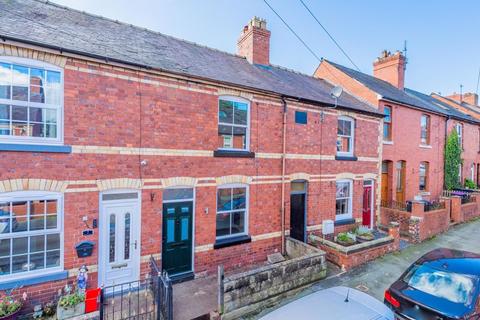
177 237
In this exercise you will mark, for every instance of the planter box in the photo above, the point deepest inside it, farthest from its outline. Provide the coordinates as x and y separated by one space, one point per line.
65 313
12 316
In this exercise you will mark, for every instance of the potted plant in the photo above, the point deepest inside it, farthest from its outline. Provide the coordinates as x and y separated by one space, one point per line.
10 307
345 239
71 305
363 234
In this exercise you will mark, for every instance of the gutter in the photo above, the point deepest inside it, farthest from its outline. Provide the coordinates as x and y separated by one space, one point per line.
204 79
284 144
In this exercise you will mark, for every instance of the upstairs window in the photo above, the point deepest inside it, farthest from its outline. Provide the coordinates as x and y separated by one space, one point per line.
300 117
233 124
31 102
345 136
459 129
423 176
387 123
425 129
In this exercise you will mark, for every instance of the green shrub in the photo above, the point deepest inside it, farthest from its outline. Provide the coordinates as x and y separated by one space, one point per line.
469 184
71 300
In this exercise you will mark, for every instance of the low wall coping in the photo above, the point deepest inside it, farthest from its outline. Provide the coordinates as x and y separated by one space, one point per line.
353 248
252 272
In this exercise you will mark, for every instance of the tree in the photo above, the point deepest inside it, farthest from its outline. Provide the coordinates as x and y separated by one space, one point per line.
453 160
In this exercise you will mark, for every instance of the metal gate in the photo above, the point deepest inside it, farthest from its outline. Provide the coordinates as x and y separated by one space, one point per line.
148 299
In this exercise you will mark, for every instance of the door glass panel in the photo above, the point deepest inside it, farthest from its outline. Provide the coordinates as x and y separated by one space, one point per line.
170 210
112 239
177 194
185 209
170 230
184 233
127 236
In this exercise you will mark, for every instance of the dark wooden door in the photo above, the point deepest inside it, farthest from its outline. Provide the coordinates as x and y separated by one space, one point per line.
297 216
177 237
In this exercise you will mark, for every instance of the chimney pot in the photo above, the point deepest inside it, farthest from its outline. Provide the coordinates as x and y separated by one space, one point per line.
391 68
254 42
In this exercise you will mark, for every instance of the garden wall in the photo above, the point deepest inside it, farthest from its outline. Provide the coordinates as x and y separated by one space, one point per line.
250 291
357 254
388 215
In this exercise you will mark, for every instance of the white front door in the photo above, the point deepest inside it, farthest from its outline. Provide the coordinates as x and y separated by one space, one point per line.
119 260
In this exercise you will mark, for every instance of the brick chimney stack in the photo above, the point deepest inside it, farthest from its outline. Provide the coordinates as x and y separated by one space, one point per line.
470 98
390 67
254 42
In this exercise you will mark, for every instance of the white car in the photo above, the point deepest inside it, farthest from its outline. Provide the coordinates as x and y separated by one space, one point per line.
333 303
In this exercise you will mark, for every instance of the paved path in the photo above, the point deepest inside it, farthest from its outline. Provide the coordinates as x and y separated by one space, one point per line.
375 277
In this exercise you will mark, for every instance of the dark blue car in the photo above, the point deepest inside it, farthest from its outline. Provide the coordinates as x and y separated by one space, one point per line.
443 284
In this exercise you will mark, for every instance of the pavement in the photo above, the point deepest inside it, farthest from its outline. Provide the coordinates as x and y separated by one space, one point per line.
195 299
376 276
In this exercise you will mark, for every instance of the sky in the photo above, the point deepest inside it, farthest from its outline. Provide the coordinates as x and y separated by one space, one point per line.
443 42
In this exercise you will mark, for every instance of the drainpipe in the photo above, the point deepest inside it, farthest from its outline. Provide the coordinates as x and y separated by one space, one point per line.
446 137
284 139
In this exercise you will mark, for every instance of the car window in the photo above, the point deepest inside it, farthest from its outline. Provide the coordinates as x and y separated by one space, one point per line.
454 287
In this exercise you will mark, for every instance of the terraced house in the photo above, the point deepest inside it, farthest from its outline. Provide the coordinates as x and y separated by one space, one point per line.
137 144
414 132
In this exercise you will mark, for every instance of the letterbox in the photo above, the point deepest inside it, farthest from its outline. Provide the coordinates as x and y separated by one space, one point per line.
84 248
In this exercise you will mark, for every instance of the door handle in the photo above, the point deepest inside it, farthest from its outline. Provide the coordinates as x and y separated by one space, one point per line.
134 244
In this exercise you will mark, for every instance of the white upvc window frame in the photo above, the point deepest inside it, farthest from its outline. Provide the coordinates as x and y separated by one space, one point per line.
459 129
351 143
349 214
247 137
19 196
247 208
30 63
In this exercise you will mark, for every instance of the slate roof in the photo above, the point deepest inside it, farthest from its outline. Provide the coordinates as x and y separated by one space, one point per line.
47 24
407 96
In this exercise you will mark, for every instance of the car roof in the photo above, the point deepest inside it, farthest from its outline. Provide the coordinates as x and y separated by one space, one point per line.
452 260
330 304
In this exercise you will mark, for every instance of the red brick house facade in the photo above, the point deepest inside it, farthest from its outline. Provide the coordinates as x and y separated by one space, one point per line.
414 130
187 154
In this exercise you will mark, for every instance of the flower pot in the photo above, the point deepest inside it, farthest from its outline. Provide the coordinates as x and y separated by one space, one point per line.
345 243
12 316
65 313
361 238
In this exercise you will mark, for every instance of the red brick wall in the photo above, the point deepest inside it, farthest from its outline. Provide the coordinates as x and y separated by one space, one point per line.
103 110
406 147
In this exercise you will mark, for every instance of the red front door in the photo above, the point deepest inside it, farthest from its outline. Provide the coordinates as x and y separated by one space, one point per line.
367 206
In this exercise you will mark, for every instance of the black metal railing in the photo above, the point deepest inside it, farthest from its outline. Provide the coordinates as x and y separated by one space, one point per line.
467 199
397 205
130 300
147 299
163 292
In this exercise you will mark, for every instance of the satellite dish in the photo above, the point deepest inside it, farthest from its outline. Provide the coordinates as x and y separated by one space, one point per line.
336 92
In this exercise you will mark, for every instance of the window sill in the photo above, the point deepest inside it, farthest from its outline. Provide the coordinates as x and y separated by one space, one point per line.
344 222
227 242
17 283
35 148
346 158
425 146
388 142
424 193
233 154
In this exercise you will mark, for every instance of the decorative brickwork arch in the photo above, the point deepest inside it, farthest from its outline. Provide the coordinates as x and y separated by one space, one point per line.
14 51
122 183
33 184
179 181
235 93
233 179
299 176
345 175
370 175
